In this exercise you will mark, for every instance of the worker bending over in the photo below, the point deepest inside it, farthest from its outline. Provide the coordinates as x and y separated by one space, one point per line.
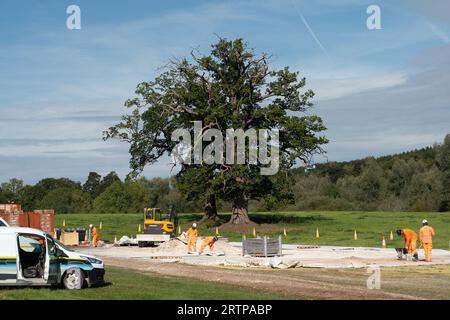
94 233
192 236
426 237
410 238
208 242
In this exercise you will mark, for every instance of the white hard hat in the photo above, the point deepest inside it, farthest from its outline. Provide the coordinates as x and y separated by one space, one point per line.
194 225
424 221
90 226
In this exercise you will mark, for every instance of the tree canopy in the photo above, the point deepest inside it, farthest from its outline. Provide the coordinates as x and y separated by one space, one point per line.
231 88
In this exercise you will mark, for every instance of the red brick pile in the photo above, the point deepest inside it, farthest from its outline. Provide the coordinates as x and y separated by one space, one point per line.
38 219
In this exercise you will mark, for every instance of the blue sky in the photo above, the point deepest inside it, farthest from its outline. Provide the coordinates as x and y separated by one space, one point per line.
379 91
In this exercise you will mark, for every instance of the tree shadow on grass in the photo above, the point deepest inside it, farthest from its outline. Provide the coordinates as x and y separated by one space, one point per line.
260 218
279 218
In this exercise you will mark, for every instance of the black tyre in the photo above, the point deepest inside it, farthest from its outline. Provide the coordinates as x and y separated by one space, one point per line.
73 279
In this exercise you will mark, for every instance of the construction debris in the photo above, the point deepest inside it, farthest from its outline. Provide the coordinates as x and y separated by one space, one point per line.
229 254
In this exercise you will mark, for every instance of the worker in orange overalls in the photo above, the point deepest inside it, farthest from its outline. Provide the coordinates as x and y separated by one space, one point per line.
426 237
208 242
94 234
192 236
410 238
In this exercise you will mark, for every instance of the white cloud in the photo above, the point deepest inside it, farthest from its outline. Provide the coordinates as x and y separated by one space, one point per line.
344 82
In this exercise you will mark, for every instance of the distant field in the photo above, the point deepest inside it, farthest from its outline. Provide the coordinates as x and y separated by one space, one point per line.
128 284
335 228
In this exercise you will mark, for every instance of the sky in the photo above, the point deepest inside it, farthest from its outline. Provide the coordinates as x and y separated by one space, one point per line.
379 91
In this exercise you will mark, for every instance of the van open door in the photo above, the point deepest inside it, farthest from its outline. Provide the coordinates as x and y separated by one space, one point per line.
54 267
33 261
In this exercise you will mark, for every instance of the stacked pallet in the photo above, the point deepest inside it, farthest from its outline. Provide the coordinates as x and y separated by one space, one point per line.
262 247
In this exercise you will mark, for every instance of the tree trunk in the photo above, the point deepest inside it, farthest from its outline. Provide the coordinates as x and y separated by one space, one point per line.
210 209
240 210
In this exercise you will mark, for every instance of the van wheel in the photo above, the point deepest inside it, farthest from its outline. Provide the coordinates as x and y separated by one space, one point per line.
73 279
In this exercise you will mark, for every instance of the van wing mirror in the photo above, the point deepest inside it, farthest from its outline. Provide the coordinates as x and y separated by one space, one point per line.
59 252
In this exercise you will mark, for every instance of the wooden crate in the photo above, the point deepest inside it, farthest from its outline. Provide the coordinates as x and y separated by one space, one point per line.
262 247
69 238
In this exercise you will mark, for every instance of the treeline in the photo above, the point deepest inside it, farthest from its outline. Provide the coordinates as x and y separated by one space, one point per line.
413 181
108 194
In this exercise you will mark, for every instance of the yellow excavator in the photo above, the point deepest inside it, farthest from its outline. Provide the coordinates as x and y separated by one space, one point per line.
158 227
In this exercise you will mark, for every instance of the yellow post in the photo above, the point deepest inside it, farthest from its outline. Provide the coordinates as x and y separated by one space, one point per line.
254 232
179 230
284 232
317 233
217 231
115 239
355 236
64 222
383 243
101 225
139 228
391 237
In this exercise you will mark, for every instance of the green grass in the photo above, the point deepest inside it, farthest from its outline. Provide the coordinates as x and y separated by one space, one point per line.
127 284
335 228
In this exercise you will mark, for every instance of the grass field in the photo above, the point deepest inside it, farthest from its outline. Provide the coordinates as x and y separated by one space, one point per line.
128 284
125 284
335 228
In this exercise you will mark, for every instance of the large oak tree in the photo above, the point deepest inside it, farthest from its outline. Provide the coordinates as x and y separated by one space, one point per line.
232 87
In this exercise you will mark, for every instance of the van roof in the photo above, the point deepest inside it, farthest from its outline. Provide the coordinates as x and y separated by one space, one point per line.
22 230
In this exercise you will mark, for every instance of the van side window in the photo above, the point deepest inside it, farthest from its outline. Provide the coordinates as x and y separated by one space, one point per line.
30 243
51 246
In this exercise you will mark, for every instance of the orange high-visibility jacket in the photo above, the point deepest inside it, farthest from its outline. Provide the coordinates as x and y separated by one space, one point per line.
426 234
192 233
94 232
409 235
208 241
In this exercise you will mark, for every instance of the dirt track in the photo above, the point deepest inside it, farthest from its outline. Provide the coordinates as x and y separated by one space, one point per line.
320 284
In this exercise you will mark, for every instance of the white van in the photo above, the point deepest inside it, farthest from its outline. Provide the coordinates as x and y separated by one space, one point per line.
30 257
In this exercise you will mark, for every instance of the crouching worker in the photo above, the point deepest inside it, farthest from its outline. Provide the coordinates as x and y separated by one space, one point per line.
426 236
208 242
410 238
192 235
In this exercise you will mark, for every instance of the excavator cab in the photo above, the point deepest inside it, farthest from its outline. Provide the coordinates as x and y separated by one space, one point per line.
155 222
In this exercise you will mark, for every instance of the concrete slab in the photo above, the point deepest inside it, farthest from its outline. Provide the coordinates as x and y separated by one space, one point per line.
323 257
